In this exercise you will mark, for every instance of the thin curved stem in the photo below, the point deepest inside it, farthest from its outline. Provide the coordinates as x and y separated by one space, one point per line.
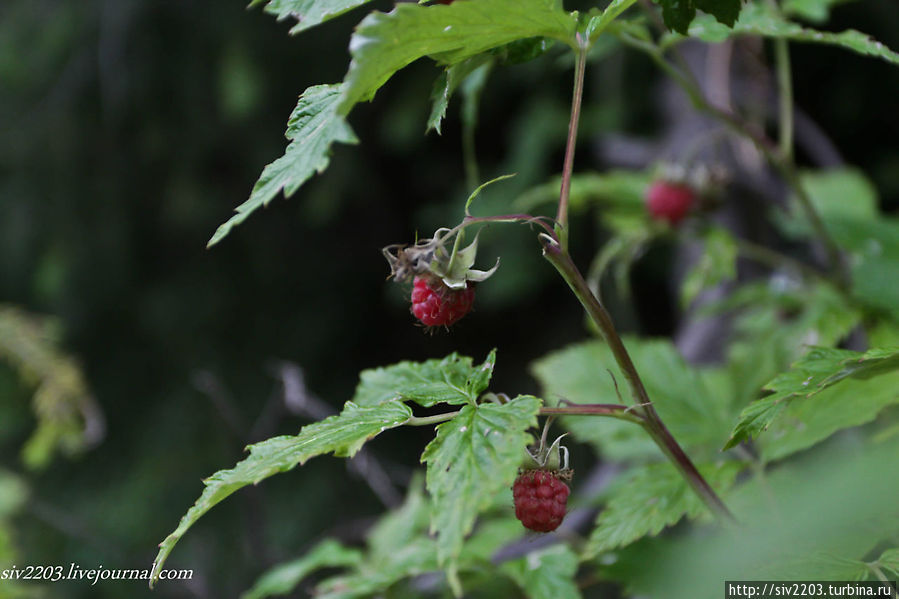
580 65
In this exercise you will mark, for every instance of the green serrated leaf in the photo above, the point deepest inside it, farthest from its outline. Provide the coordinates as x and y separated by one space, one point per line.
889 559
764 20
343 434
655 497
802 424
545 573
449 80
815 372
313 127
308 13
284 578
716 264
453 380
474 457
386 42
697 415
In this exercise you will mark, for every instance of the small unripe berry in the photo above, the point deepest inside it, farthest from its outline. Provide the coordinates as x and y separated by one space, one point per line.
669 201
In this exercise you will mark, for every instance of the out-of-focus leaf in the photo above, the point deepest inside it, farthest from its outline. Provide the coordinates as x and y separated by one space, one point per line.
620 195
371 579
68 419
826 509
453 380
819 369
284 578
716 264
474 456
343 434
545 573
386 42
816 11
678 14
312 128
889 559
308 13
655 497
13 493
762 19
697 417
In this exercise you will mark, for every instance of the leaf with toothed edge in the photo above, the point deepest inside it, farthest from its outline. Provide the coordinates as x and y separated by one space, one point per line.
308 13
313 127
474 457
386 42
343 434
452 380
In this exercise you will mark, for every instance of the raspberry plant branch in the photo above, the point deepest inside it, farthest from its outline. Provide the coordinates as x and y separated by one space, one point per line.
783 163
644 410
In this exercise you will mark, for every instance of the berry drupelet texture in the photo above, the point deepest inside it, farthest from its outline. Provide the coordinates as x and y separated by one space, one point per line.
541 500
435 304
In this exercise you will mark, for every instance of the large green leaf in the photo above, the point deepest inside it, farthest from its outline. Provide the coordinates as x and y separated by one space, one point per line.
819 369
761 19
453 380
655 497
697 416
797 522
343 434
284 578
386 42
804 423
848 205
474 457
546 573
313 126
308 13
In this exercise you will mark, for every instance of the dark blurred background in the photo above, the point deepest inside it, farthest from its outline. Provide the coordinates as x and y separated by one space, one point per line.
130 129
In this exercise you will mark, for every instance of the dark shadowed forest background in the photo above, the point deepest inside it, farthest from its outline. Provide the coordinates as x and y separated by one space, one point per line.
130 129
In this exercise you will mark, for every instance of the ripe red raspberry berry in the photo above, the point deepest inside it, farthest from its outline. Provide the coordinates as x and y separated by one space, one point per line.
540 499
435 304
669 201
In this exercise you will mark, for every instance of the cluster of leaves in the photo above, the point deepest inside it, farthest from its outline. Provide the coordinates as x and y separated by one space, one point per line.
464 520
472 460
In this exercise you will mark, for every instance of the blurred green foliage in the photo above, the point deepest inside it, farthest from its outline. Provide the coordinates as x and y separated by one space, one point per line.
129 129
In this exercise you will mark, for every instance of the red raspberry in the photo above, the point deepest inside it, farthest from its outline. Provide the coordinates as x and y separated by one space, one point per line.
540 499
435 304
669 201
